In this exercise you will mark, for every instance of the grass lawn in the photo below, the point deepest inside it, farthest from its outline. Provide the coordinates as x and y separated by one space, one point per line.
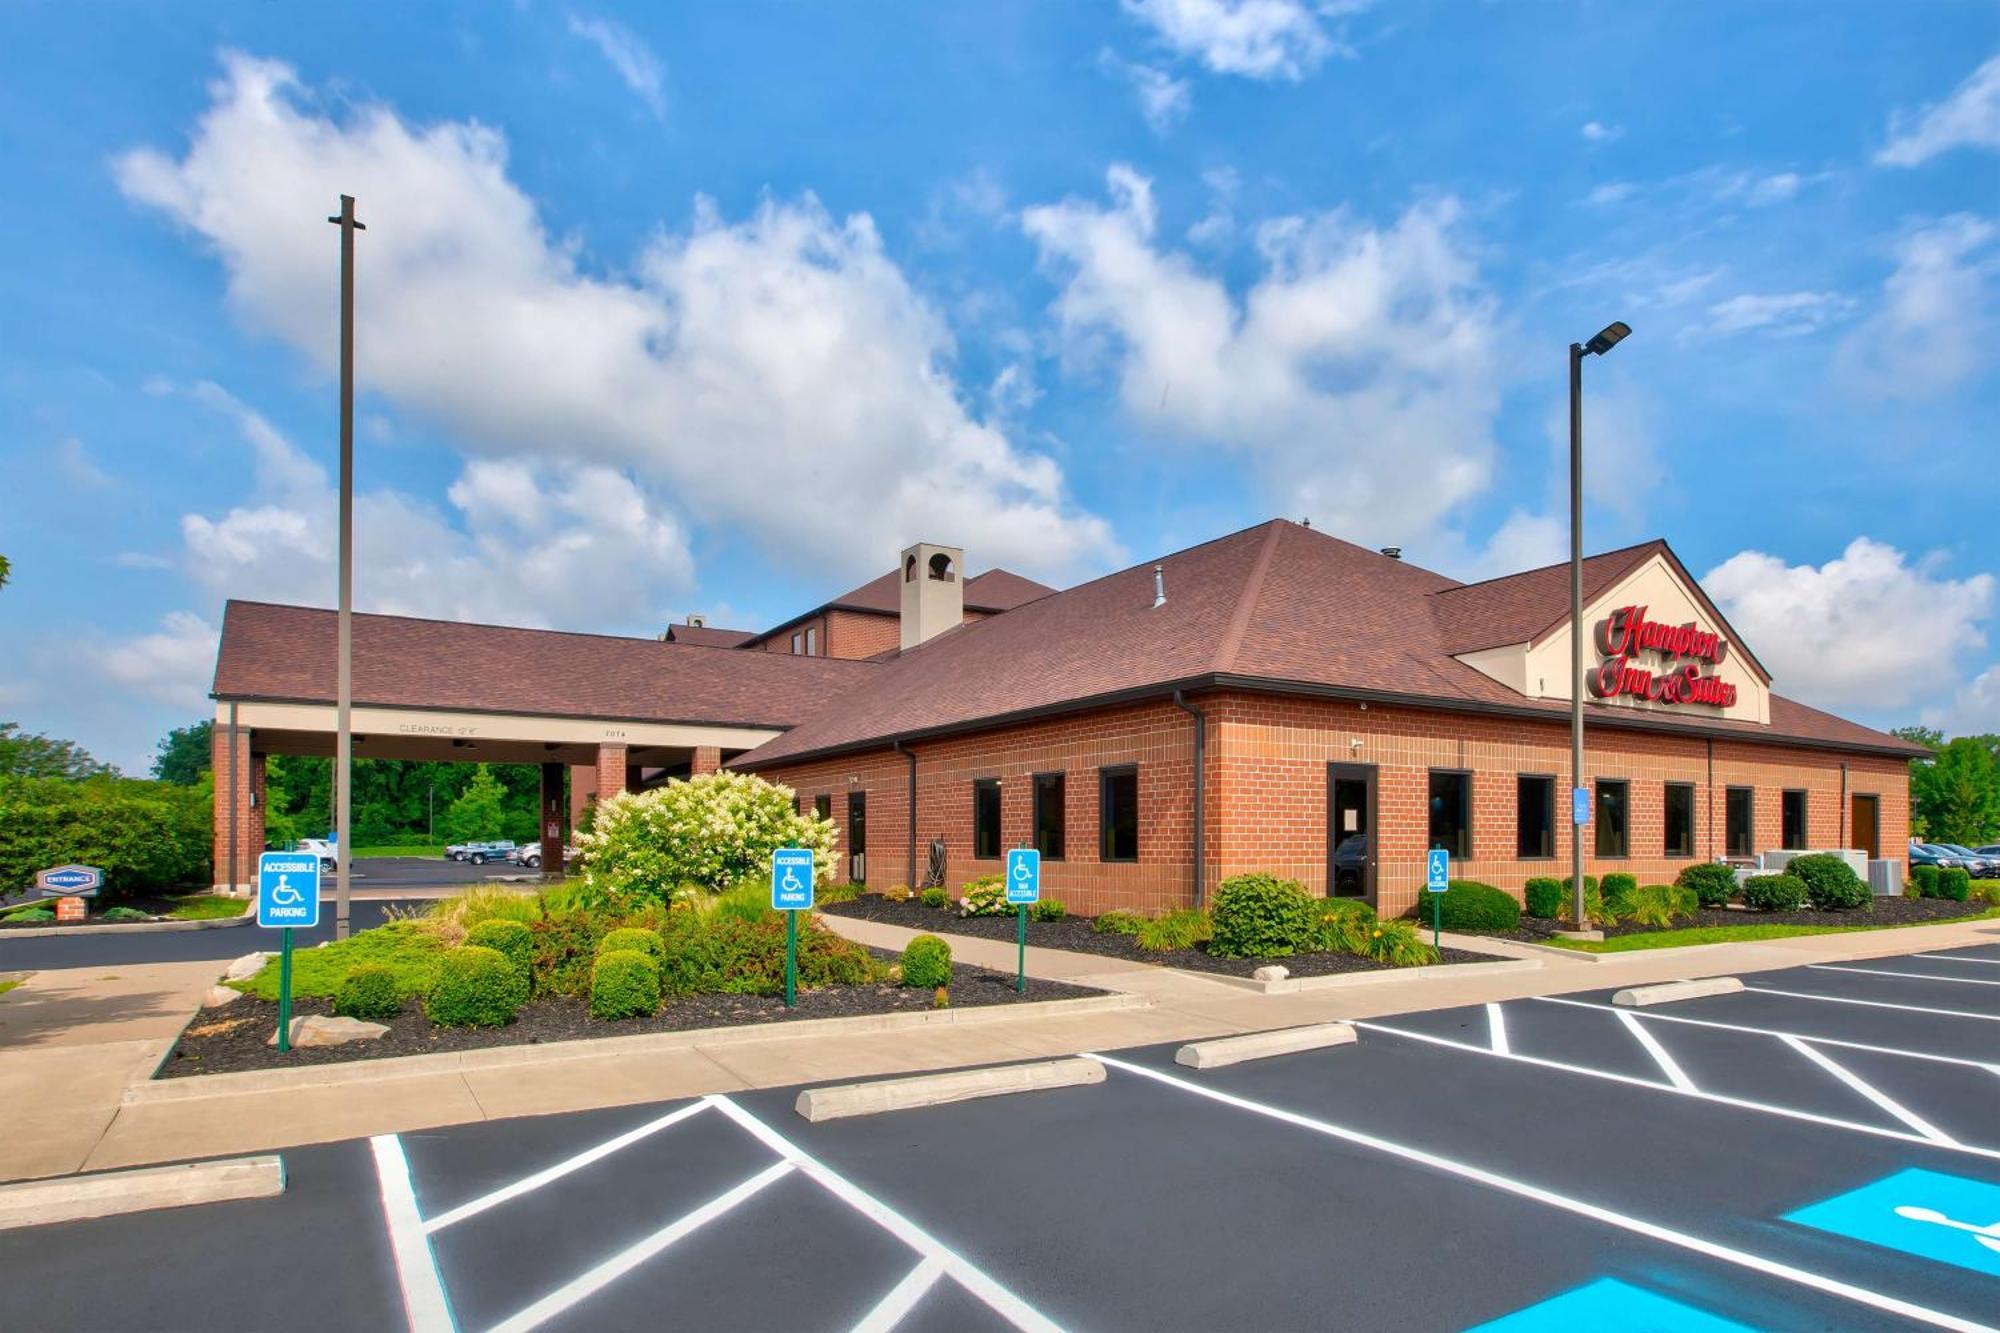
401 849
1671 939
207 907
412 954
9 984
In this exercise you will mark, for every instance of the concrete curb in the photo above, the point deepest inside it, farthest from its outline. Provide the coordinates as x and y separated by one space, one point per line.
1343 980
1666 992
1261 1045
200 1087
74 1198
905 1094
129 928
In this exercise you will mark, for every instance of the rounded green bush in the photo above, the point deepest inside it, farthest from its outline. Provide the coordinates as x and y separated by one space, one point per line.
1261 916
1466 904
368 992
1774 893
1617 889
1117 923
1176 932
1049 909
927 963
1544 895
935 896
624 983
1954 884
1714 883
629 938
1342 926
512 938
1923 882
123 914
1831 884
476 987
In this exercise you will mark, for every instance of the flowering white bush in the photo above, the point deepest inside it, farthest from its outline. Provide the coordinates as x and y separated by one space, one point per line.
716 830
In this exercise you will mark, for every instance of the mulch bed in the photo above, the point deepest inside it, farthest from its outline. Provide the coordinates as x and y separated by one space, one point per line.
1884 912
1075 934
232 1039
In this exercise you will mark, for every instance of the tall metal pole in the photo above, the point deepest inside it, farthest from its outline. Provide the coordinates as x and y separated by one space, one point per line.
343 759
1576 629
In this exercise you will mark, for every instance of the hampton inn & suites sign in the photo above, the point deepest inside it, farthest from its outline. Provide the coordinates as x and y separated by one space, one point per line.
1627 639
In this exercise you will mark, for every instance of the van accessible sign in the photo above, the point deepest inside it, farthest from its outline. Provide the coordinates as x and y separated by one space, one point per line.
1625 634
71 881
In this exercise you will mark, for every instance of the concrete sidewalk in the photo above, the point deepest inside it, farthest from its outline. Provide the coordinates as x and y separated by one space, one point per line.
104 1112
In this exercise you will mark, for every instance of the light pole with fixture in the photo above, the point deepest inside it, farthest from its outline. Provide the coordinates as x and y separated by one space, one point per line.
1607 338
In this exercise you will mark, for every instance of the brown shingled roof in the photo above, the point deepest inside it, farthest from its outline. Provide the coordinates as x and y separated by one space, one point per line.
707 636
1277 607
287 653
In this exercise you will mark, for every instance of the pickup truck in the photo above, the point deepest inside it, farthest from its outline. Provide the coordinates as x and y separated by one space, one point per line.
479 853
326 851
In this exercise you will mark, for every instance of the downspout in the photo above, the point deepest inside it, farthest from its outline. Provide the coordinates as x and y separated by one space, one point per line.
1200 792
1711 798
234 879
910 878
1843 810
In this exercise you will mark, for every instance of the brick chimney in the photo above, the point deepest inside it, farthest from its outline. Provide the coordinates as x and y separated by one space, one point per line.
933 591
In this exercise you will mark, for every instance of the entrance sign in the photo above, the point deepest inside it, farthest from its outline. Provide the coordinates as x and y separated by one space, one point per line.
1437 870
69 881
1024 877
287 890
792 879
1579 805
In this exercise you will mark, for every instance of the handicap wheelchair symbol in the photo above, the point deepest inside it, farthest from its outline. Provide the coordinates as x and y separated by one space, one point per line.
284 895
1021 872
1939 1229
1988 1235
791 882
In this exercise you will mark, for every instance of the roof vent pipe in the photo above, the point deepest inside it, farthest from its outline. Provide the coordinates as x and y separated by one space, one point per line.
1393 552
1159 585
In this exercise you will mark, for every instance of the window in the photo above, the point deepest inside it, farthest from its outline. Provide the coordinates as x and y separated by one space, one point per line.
1118 813
1534 817
1049 815
1680 819
1794 814
1614 817
1738 817
823 806
1451 812
986 819
798 644
812 641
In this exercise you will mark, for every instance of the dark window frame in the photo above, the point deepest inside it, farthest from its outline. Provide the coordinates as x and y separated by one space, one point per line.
980 786
1749 823
1105 777
1036 786
823 805
1547 780
1666 821
1785 841
1464 851
1623 852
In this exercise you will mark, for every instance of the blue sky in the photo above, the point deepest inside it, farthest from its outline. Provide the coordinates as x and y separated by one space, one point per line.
713 307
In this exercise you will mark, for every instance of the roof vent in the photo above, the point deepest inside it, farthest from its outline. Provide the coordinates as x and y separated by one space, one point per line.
1393 552
697 622
1159 585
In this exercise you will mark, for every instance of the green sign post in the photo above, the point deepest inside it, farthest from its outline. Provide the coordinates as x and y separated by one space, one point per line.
792 893
1437 879
285 992
287 896
1024 889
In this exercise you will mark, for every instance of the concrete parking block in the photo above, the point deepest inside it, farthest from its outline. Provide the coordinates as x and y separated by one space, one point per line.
1259 1045
904 1094
73 1198
1667 992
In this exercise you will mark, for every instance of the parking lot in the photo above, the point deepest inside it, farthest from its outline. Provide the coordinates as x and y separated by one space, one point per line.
1819 1151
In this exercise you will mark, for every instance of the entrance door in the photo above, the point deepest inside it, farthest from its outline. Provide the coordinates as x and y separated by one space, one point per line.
857 837
1866 821
1350 831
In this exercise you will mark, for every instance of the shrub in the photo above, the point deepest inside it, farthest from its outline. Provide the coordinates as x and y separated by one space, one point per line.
32 914
1774 893
716 830
1117 923
1398 944
927 963
1260 916
985 896
1175 932
1988 891
1342 926
1923 882
368 992
832 895
1595 909
717 954
410 952
750 903
143 835
896 893
1544 896
1617 888
627 939
1049 909
566 949
134 914
1660 904
935 896
455 917
941 998
512 938
1466 904
1714 883
1831 884
624 983
1953 883
475 988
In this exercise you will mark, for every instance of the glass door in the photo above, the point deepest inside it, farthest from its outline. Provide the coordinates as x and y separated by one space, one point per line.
857 837
1350 840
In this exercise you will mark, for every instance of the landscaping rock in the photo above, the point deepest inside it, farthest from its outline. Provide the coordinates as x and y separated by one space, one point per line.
220 995
249 965
321 1030
1271 972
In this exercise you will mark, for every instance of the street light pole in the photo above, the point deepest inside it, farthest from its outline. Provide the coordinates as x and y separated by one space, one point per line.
1607 338
343 760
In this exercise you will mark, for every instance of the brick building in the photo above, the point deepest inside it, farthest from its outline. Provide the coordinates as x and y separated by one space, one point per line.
1275 700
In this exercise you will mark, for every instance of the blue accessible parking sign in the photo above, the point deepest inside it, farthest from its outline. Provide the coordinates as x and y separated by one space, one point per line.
792 879
288 889
1024 877
1437 870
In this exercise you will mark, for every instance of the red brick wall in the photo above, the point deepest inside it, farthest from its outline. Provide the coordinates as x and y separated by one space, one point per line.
857 634
249 804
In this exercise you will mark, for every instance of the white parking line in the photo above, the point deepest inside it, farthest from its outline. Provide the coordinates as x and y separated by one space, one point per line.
416 1268
902 1298
1720 1099
1655 1016
618 1265
1496 1026
1954 958
1623 1221
1873 1004
1911 976
1872 1093
1675 1074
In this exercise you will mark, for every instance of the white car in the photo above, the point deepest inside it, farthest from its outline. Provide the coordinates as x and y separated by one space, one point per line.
329 855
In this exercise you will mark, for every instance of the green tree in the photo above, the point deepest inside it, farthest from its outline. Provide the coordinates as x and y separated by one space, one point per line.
479 812
27 755
1955 796
6 570
184 754
1928 737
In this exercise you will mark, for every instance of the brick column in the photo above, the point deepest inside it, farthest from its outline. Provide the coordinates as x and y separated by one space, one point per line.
582 790
246 800
552 820
707 759
611 774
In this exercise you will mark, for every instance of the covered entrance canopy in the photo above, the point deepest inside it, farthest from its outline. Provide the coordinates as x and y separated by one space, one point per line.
618 712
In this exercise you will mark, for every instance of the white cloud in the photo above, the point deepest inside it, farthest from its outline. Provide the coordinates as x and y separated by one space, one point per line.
1609 193
1776 189
1931 329
1522 541
1969 118
174 664
77 465
1356 375
1775 314
1258 39
1596 131
779 375
1974 710
1868 629
630 57
1164 100
1217 227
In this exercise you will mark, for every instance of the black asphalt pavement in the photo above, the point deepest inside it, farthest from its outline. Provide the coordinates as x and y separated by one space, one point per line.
102 948
1737 1161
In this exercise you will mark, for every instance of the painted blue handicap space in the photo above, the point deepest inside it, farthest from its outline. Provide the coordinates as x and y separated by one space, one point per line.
1951 1219
1609 1303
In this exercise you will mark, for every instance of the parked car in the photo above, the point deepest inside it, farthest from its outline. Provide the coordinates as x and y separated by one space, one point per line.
529 854
479 853
1923 854
1977 866
329 855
